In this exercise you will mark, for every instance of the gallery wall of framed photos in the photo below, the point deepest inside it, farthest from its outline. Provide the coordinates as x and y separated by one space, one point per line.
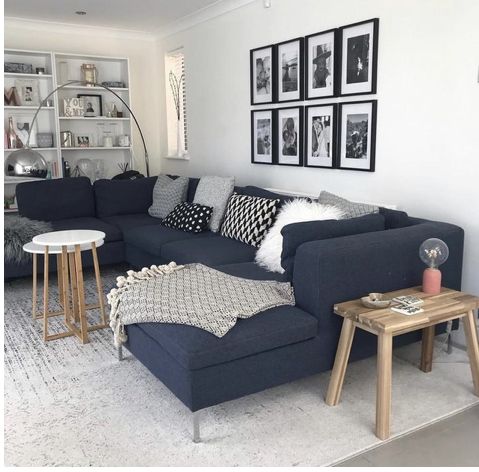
324 67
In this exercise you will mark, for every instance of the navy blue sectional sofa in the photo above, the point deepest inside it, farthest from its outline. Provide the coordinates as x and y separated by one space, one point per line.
327 262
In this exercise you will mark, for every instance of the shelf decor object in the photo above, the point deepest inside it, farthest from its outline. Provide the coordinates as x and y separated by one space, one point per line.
433 252
17 159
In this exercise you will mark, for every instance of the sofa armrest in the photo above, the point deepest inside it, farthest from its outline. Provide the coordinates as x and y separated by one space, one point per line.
335 270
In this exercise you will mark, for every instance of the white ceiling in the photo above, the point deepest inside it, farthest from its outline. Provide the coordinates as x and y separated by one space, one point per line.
139 15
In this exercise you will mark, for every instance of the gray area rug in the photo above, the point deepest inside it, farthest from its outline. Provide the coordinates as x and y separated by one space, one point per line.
72 405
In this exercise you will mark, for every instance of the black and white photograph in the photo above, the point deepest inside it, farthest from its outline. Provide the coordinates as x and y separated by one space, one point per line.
92 105
320 132
289 65
357 131
83 141
22 125
289 136
28 91
261 78
320 64
359 48
262 136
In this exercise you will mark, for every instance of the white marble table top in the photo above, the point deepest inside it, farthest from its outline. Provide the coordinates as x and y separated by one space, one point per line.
69 237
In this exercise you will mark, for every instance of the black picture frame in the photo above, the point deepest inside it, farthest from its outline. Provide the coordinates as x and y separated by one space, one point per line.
341 157
333 137
348 89
334 69
252 74
279 158
292 97
254 140
96 97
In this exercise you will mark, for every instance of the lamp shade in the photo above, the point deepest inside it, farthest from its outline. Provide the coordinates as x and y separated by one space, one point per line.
26 163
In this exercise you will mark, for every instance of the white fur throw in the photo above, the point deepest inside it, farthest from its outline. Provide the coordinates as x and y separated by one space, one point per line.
294 211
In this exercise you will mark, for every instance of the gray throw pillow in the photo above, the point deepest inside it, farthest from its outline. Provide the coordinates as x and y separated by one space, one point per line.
350 209
167 193
215 192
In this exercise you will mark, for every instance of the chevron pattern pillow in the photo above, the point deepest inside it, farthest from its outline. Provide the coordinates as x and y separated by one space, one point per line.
167 193
249 218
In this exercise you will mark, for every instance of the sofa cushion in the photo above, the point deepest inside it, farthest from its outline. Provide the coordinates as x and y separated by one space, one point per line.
294 235
151 238
195 348
350 209
251 270
123 197
189 217
249 218
113 233
211 251
126 222
253 191
395 218
56 199
167 193
214 191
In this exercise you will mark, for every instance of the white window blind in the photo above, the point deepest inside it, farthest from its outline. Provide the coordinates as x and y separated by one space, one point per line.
175 76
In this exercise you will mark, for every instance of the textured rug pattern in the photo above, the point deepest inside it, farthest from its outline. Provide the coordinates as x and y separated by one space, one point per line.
73 405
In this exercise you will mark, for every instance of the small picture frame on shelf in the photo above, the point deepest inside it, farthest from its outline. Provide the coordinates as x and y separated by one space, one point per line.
359 57
289 70
262 136
261 75
92 105
320 135
28 91
357 135
83 141
22 125
288 132
320 64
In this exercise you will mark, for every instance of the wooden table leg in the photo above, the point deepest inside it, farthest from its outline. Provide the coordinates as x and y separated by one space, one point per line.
34 285
383 396
60 280
73 281
81 295
340 363
65 283
427 350
472 348
45 295
99 284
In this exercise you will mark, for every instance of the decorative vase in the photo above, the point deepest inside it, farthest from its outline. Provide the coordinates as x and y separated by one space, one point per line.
431 281
179 151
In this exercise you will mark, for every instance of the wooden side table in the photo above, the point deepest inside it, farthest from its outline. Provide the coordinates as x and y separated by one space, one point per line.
68 245
385 324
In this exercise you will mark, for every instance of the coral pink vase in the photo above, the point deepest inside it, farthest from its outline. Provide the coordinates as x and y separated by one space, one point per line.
431 281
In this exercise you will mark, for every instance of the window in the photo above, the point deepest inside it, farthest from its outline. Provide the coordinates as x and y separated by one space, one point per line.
176 97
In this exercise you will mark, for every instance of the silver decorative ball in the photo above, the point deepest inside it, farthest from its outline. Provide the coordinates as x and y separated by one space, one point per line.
26 163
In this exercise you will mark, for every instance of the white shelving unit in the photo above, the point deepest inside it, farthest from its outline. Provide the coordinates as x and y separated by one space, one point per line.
51 119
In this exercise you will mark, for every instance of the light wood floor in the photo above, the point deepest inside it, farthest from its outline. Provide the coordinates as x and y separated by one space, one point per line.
448 443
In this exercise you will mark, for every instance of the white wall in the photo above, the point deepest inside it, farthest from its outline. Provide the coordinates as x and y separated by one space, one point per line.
427 158
140 49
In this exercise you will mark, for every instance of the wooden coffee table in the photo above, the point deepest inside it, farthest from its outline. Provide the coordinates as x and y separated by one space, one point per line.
385 323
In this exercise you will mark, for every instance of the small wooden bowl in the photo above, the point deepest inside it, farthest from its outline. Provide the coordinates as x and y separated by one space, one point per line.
375 300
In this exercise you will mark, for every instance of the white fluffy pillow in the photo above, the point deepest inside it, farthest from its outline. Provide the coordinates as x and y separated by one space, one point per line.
293 211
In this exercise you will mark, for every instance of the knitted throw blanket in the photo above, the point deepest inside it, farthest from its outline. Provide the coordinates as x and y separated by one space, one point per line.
193 295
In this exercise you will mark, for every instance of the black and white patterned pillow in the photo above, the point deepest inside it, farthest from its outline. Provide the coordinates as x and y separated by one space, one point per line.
248 218
189 217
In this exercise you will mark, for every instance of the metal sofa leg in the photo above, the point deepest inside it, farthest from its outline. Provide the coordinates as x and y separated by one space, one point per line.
120 353
196 427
